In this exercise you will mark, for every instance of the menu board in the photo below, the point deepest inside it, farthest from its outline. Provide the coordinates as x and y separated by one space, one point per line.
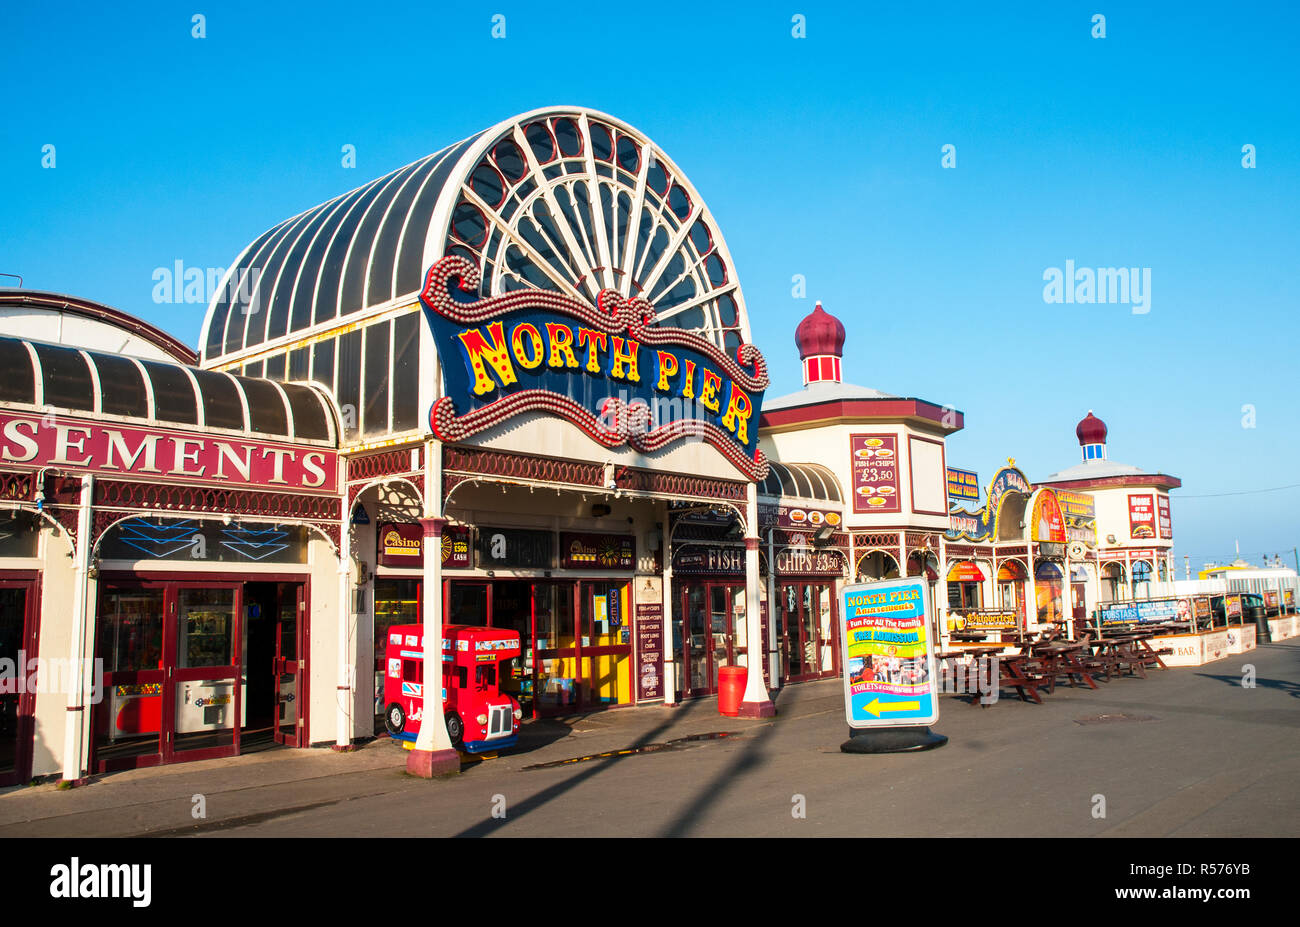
1141 516
649 620
875 473
889 677
1162 512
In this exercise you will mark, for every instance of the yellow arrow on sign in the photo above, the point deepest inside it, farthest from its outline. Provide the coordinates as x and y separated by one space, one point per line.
876 707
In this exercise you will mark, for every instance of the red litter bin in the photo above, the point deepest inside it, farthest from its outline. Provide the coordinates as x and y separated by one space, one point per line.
731 689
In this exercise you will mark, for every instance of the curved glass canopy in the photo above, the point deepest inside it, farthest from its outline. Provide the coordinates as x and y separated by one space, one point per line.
800 481
48 377
564 199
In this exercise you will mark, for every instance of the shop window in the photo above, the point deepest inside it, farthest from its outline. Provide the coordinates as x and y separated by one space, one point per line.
266 413
18 384
173 394
964 595
66 378
349 391
322 363
121 386
222 407
309 420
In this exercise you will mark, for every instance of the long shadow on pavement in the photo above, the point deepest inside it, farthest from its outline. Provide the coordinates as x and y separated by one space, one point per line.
487 827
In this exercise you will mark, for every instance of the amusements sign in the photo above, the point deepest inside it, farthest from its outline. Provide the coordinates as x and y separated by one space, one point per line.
1141 516
649 618
607 368
165 455
597 551
889 678
963 486
1162 512
875 473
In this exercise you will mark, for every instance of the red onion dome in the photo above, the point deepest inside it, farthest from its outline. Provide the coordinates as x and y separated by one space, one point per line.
819 333
1091 430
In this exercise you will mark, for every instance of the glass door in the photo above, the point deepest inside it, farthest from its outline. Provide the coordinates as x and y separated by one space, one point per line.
287 667
697 653
605 645
556 655
128 721
204 698
17 646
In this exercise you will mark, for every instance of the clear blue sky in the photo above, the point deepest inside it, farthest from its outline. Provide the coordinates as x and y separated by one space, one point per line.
818 156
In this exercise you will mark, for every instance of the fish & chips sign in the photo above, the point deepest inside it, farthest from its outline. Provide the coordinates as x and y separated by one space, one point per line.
607 368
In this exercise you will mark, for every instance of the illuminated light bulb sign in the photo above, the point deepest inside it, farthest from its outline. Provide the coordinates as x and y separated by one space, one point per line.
607 368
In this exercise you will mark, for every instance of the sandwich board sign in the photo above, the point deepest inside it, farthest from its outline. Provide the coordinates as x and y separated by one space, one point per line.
889 676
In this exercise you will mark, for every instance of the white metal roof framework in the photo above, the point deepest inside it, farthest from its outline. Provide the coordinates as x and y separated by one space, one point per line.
566 199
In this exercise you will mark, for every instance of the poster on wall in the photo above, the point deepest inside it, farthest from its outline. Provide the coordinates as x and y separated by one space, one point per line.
889 678
875 473
649 619
1080 512
1166 522
456 544
1141 516
1046 522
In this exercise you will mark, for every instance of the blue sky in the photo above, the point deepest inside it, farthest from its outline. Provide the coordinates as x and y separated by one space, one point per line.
818 156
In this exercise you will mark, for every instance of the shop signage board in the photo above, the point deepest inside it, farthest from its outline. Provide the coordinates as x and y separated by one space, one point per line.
400 544
515 547
588 551
698 559
963 486
965 572
649 619
799 518
164 454
1162 514
889 678
456 544
607 368
195 540
874 464
810 561
987 619
982 524
1080 512
1141 516
1153 610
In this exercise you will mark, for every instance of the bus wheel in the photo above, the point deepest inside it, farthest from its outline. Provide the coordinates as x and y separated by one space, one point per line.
455 730
395 719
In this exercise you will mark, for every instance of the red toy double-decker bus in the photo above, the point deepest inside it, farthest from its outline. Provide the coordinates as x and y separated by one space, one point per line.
478 715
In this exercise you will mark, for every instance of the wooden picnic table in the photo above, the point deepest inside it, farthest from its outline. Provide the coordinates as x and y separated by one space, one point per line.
1015 672
1061 658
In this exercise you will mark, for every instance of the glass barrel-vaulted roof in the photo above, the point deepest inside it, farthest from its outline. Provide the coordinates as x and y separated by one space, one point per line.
563 199
57 377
